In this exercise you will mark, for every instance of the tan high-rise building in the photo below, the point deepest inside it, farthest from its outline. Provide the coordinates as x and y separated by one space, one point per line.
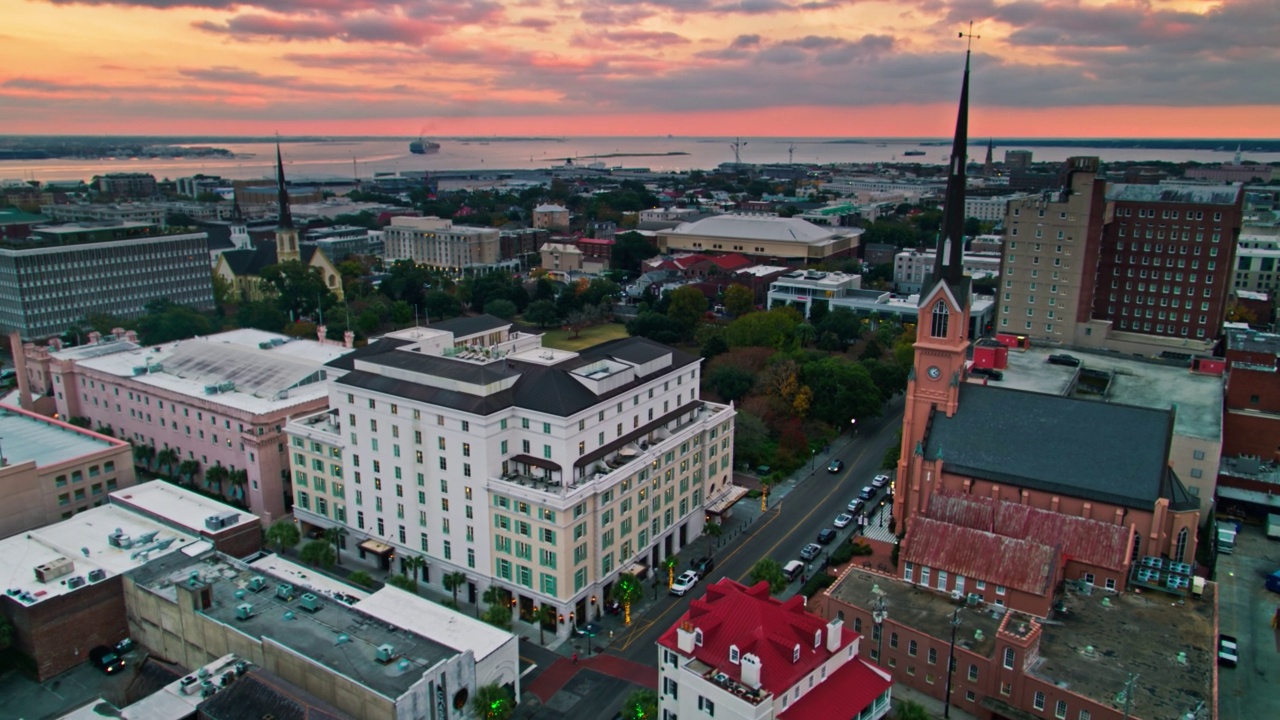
1051 257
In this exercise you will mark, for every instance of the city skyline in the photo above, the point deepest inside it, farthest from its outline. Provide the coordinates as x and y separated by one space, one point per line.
1176 68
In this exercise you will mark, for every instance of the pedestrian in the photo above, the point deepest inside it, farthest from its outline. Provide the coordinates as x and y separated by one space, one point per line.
803 578
575 658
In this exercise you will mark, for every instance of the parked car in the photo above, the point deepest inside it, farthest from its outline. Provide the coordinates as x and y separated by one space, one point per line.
867 493
810 551
880 481
987 372
684 583
1228 651
106 660
793 570
843 520
1064 359
704 565
826 535
836 466
854 505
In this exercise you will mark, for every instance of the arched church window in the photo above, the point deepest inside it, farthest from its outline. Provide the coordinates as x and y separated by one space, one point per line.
1180 548
941 317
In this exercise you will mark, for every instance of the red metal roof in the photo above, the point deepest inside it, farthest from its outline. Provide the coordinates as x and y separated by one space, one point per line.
687 260
843 694
1089 541
731 262
733 614
1013 562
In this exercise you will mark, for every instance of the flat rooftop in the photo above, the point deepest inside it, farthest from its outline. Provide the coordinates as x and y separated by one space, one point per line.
1197 396
266 371
338 636
45 442
922 610
178 505
83 540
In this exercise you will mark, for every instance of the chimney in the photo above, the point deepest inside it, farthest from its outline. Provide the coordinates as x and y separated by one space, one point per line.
54 343
751 671
131 336
834 634
118 333
20 369
348 339
684 637
321 331
94 337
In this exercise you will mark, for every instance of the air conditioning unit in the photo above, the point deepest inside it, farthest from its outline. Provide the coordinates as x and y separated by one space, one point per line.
54 569
386 653
310 602
257 583
74 582
974 600
244 611
284 591
957 595
119 540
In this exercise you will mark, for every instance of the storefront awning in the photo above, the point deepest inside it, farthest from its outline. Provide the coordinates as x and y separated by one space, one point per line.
376 547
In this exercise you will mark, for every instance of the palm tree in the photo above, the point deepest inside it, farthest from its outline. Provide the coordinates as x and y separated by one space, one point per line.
282 532
413 565
626 591
216 475
492 702
334 535
455 580
239 479
166 458
189 469
713 531
640 705
806 334
545 615
142 455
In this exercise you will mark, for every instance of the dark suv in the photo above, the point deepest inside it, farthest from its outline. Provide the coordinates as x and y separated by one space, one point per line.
106 660
703 565
1064 359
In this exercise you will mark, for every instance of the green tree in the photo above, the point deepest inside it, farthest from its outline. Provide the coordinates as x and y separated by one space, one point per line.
656 327
216 475
318 553
750 439
492 702
299 287
261 314
498 616
805 334
334 535
165 322
687 306
542 313
972 226
143 455
910 710
500 307
412 566
453 582
739 300
842 389
189 469
768 570
546 615
641 705
629 250
224 292
406 584
440 305
713 531
167 458
731 383
283 533
763 329
361 578
627 590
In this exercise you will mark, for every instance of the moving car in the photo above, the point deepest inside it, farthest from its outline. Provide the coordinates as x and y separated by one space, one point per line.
1228 651
843 520
793 570
880 481
106 660
826 535
836 466
867 493
684 583
811 551
703 565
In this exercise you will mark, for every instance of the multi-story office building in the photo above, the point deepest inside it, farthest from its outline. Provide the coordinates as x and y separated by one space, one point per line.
218 400
1017 159
739 653
551 217
144 213
1165 263
1257 266
127 184
1050 257
61 274
912 267
990 209
51 470
544 472
437 243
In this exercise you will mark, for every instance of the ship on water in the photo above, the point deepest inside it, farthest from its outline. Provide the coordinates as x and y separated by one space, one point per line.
913 153
423 146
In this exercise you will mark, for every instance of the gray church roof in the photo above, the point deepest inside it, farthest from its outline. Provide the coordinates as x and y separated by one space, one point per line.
1099 451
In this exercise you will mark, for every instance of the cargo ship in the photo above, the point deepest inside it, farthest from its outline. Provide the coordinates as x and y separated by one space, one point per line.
423 147
913 153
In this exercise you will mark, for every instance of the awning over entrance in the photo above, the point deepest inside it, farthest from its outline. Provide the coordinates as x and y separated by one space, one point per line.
375 547
725 500
639 570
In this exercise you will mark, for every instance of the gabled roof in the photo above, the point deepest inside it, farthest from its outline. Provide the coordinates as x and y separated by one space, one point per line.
731 262
732 614
1105 452
262 255
1089 541
1020 564
845 693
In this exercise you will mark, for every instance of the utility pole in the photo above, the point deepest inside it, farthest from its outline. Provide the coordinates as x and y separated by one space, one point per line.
879 612
951 661
1128 693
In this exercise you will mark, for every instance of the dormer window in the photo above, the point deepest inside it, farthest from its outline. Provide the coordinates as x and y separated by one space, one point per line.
941 318
817 638
697 637
795 654
734 655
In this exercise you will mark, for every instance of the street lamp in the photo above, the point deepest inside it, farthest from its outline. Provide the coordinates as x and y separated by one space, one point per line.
951 661
879 612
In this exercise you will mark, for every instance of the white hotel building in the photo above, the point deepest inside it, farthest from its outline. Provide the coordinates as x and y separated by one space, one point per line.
542 471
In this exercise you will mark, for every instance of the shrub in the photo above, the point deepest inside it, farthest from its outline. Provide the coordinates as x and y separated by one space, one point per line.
816 584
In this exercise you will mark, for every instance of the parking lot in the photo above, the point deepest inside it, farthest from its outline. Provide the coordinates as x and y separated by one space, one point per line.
1246 608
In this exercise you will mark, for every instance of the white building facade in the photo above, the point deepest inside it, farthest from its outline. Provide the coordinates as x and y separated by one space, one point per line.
437 243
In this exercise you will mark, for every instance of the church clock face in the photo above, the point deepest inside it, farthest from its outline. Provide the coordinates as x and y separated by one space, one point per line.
934 372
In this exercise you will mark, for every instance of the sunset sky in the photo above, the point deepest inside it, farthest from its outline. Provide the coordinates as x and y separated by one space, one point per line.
791 68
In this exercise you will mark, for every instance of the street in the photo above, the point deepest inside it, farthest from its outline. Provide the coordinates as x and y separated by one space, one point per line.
790 523
1249 690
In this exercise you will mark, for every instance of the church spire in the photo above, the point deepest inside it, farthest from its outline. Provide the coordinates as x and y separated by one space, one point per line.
949 263
286 217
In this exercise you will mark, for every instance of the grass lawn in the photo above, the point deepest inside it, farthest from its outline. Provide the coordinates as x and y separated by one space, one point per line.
561 340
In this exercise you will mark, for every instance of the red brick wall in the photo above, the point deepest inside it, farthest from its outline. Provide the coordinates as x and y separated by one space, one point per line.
1247 434
238 541
1244 384
59 633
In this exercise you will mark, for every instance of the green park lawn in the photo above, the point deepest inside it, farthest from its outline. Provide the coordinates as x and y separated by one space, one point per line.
594 335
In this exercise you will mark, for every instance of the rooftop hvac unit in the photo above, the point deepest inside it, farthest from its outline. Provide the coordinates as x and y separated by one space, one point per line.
207 688
244 611
241 667
210 389
310 602
257 583
189 685
139 369
284 591
97 575
227 677
226 386
74 582
147 537
974 600
265 346
277 342
54 569
120 540
221 520
385 653
156 367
